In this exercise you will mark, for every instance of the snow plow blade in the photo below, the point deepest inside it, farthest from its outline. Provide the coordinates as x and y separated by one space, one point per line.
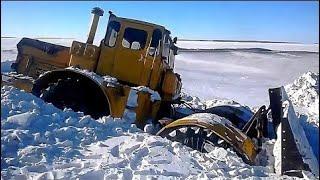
295 153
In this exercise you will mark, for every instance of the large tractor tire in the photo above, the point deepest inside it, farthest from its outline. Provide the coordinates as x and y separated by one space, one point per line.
238 115
68 89
203 131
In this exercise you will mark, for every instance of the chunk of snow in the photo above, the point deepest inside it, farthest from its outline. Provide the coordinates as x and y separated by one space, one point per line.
209 118
23 120
154 94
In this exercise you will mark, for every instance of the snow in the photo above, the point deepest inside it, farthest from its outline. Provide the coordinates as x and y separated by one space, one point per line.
194 44
101 80
111 81
243 79
209 118
299 136
40 141
154 94
49 142
242 75
304 94
9 49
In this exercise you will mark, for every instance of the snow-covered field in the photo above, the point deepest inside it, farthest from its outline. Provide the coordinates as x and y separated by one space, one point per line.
276 46
42 142
242 74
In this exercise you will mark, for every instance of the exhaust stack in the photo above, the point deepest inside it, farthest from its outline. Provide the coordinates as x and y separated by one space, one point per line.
96 13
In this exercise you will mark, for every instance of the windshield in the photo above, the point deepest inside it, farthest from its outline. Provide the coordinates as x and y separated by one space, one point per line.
155 42
112 33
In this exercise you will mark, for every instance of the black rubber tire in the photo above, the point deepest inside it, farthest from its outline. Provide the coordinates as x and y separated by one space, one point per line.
77 95
234 114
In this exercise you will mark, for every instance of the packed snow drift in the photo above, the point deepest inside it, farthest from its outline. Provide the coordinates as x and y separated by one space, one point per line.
39 141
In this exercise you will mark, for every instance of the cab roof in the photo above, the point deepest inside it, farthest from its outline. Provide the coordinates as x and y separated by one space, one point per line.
138 22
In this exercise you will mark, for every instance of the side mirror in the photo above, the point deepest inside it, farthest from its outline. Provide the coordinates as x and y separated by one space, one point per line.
175 50
175 40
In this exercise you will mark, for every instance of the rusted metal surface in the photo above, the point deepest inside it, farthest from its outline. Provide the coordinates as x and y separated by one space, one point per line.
210 133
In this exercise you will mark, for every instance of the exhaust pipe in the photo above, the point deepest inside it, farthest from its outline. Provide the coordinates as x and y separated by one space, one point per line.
97 12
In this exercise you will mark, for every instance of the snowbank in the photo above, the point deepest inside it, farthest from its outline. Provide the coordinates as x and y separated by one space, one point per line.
304 94
302 143
41 141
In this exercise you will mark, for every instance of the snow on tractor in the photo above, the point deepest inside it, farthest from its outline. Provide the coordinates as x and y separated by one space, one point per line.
131 74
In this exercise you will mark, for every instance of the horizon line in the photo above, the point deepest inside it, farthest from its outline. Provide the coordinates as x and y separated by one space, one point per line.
182 39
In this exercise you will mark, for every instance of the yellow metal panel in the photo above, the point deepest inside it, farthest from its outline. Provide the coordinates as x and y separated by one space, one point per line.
155 109
84 55
106 60
146 71
60 58
32 58
169 83
129 64
117 99
156 73
143 110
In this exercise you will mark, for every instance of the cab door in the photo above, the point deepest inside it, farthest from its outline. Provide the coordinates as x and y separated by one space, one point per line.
130 57
109 47
153 63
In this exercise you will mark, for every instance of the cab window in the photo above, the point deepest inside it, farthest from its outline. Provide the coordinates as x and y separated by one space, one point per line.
166 48
112 33
155 42
134 38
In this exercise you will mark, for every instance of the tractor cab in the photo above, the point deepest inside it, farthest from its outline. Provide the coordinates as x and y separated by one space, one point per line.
137 53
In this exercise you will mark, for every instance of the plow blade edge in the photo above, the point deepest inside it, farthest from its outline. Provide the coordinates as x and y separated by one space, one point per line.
294 153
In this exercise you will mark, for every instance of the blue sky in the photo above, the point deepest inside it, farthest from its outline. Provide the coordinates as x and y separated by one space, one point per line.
238 20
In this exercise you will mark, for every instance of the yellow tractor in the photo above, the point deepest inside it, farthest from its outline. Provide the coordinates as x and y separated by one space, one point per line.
131 74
